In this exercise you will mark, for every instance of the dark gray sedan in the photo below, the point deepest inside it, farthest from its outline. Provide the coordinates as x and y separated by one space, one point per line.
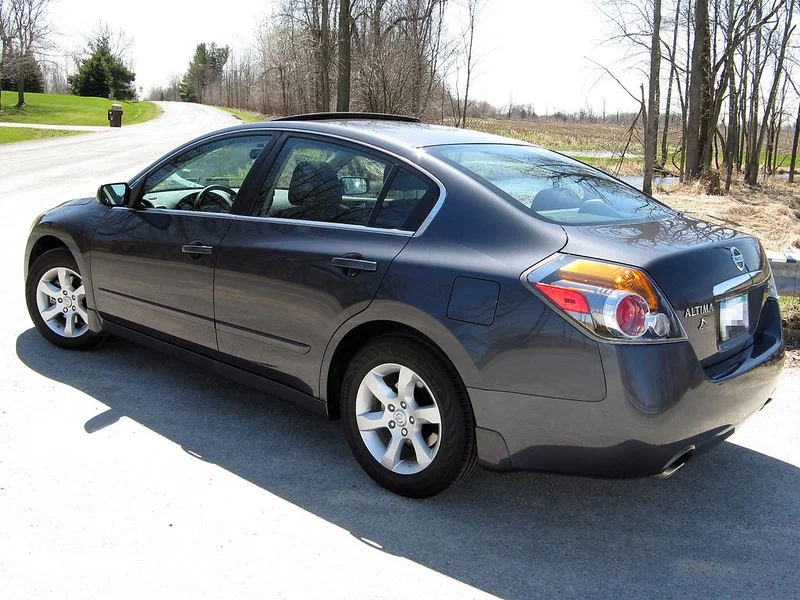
454 297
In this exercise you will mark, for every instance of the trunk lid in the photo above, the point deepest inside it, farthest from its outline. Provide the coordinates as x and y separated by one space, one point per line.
695 265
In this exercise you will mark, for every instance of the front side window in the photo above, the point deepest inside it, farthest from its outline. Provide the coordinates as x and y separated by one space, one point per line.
551 186
205 178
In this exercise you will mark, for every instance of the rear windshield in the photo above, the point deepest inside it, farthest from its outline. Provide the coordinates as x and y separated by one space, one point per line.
551 186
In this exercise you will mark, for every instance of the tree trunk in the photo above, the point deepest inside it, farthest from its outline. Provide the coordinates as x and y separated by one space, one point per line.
20 89
651 124
325 62
672 70
751 156
698 80
472 17
732 137
794 146
345 63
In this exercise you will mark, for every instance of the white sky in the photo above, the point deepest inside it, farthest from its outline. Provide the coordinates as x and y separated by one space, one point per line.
533 50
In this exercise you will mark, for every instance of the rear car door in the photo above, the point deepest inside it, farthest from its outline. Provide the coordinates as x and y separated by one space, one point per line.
328 221
153 261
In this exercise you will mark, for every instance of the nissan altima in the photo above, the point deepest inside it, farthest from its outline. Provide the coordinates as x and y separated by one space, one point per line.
456 298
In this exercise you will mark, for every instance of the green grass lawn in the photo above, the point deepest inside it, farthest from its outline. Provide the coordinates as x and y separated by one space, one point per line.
53 109
9 135
246 116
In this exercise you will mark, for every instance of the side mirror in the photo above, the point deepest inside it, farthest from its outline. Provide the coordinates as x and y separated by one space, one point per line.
355 186
112 194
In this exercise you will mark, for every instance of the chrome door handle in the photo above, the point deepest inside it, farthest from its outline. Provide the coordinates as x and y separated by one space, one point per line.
196 248
354 264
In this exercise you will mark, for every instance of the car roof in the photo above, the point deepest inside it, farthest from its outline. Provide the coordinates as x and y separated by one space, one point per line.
410 134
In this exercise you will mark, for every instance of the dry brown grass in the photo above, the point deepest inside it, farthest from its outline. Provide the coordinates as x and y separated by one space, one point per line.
770 211
561 136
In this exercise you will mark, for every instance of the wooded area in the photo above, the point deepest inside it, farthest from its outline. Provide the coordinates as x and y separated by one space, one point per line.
731 64
393 56
725 70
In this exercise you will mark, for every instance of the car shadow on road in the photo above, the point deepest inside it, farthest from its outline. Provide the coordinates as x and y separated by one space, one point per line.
726 525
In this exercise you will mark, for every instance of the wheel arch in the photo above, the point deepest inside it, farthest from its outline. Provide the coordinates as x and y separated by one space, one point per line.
48 240
382 320
44 244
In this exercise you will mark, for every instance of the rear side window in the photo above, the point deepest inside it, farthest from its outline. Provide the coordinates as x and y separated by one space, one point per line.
407 202
314 180
552 186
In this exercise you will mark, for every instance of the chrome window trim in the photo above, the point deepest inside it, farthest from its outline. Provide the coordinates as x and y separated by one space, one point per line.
442 190
325 224
173 211
740 281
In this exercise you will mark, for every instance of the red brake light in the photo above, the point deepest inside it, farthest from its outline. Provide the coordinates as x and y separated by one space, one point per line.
565 299
631 313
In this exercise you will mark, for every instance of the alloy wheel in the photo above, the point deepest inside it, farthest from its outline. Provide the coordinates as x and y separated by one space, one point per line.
61 300
398 418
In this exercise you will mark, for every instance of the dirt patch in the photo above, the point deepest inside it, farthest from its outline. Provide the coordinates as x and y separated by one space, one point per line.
770 211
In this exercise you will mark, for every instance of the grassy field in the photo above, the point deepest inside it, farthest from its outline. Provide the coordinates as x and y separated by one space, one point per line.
598 144
9 135
53 109
246 116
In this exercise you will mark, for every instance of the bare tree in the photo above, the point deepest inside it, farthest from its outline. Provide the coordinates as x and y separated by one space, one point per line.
474 8
758 133
30 34
699 91
671 54
6 33
651 126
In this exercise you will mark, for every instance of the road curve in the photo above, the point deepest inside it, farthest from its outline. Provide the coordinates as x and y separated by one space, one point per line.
57 169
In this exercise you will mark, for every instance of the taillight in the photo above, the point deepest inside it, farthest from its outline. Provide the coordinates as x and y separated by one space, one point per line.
612 301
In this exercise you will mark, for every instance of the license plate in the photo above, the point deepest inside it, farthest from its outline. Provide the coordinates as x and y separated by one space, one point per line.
734 318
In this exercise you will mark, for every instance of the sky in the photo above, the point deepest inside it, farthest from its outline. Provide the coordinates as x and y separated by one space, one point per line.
531 51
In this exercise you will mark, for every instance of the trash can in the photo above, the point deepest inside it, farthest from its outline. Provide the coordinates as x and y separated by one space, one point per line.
115 115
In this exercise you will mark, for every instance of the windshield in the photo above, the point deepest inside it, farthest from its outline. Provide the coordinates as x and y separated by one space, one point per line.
551 186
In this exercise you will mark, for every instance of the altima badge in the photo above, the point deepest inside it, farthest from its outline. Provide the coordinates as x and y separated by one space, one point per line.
699 311
737 257
702 325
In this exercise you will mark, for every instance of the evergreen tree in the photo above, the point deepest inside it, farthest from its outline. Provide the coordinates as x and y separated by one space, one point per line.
204 70
102 74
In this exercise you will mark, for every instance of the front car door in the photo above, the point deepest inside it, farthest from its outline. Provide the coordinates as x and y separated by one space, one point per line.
153 260
320 236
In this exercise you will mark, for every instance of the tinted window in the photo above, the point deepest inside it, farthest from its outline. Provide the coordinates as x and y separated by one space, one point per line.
551 186
407 202
319 181
222 163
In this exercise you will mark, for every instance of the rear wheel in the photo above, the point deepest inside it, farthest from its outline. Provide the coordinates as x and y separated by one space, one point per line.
407 417
56 300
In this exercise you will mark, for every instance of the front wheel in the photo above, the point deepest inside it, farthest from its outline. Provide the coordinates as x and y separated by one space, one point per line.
56 300
407 417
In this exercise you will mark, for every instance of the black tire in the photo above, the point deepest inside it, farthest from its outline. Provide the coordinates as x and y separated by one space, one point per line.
60 257
456 458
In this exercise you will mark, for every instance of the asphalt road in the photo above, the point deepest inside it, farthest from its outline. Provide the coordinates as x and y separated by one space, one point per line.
125 474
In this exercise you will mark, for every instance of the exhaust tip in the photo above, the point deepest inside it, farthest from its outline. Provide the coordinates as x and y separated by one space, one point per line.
674 465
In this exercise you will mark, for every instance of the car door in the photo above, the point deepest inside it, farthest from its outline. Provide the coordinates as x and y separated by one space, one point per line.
152 261
321 235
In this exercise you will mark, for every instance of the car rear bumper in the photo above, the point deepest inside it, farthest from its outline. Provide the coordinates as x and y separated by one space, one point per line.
660 403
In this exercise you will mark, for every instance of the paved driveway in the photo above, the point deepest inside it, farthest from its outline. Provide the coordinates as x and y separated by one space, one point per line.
127 474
